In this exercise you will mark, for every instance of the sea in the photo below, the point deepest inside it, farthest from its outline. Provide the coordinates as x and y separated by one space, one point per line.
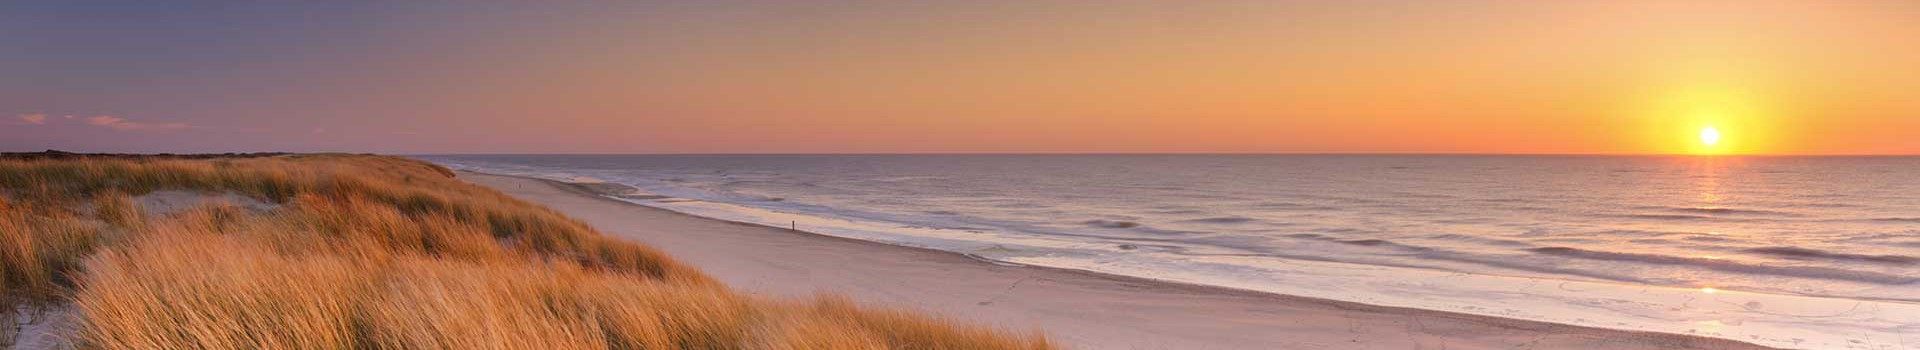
1791 252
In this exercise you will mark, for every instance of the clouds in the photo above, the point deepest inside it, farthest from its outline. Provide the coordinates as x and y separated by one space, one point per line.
103 121
122 124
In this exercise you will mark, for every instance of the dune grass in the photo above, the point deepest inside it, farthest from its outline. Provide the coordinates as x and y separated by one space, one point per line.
379 252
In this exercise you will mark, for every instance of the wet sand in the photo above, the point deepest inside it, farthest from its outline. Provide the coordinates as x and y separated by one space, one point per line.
1080 309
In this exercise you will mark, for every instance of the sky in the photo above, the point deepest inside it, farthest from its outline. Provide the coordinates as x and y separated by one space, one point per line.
1365 76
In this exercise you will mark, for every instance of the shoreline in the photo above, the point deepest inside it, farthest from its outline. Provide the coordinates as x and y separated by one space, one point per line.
1082 309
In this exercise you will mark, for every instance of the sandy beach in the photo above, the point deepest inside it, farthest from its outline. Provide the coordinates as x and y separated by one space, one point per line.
1079 309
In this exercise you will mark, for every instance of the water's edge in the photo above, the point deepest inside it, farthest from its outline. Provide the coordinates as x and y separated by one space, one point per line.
1376 285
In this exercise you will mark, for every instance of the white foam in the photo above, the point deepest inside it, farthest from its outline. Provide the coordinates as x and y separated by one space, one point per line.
1786 321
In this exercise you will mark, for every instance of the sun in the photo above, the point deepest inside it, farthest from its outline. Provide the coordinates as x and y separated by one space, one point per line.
1709 136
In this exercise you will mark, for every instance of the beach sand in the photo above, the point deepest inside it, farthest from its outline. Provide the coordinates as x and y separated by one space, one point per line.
1080 309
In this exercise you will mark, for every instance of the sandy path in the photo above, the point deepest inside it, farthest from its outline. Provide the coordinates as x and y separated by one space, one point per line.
1082 310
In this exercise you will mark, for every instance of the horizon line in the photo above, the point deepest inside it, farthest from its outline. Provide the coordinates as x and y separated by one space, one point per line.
1781 155
1362 153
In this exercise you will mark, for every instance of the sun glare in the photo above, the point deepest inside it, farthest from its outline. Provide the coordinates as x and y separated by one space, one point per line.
1710 136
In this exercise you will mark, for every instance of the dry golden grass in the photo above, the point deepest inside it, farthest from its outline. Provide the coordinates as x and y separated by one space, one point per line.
174 289
380 252
38 247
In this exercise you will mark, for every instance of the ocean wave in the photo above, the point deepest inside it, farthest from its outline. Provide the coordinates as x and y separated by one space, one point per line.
908 178
1221 220
1175 211
1797 252
1014 204
1477 239
1432 253
1729 211
1901 220
1822 205
1103 223
1668 217
1367 242
1424 195
1467 221
1909 238
1347 230
1386 243
1730 266
1643 233
1707 238
1133 227
1296 206
1673 213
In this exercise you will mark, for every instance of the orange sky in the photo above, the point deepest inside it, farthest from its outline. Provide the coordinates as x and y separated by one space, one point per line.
1809 77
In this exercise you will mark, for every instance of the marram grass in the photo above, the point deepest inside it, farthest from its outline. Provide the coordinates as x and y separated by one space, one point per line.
381 253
